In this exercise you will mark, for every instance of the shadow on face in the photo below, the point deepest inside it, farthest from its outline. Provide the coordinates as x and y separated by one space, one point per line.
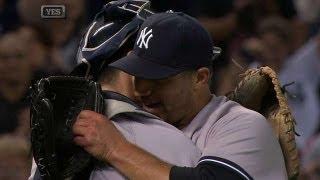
176 99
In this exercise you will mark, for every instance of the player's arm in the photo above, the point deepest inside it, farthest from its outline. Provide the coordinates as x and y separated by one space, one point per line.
101 138
209 170
98 136
136 163
247 141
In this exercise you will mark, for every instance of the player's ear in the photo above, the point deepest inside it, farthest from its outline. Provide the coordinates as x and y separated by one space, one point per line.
203 76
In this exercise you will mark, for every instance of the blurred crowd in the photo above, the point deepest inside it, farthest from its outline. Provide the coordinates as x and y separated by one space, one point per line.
283 34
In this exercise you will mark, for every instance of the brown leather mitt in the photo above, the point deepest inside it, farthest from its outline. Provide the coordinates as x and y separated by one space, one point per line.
260 91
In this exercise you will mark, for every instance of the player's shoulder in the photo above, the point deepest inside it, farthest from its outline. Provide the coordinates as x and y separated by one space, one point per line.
234 123
230 110
242 136
228 115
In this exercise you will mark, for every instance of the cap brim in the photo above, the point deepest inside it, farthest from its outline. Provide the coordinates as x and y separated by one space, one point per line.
142 68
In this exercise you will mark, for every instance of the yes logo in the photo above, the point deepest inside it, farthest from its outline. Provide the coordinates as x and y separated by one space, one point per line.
144 38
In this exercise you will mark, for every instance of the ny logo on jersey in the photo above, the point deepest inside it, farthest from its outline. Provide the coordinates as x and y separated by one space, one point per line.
144 38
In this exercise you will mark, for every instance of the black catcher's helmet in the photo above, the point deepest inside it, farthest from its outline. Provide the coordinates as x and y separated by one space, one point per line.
112 31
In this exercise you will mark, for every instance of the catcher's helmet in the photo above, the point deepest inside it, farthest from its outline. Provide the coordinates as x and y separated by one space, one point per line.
113 28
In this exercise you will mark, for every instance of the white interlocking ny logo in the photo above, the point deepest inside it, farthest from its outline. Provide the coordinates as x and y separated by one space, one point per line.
144 38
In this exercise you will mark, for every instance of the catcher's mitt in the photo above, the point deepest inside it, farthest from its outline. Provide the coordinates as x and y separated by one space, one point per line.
55 104
260 90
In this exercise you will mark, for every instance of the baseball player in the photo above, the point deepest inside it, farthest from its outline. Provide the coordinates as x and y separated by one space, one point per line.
170 61
130 122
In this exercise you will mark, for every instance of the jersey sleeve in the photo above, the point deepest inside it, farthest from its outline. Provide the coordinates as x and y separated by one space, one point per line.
244 143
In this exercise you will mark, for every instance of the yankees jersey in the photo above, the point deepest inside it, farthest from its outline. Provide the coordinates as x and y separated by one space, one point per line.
237 138
146 131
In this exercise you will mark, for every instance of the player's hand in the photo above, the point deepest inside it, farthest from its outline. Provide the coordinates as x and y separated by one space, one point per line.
97 135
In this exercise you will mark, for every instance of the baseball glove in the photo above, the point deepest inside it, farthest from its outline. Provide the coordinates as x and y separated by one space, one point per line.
260 91
55 103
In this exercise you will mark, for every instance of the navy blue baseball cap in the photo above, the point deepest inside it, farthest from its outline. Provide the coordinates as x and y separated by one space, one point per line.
168 44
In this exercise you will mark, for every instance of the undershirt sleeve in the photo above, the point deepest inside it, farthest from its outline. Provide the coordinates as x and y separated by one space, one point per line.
214 168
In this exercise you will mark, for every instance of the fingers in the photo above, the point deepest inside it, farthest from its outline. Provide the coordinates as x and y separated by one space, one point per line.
79 130
81 124
85 127
81 141
86 118
84 114
84 133
90 115
96 134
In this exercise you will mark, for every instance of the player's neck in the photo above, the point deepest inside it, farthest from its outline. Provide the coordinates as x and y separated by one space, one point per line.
199 103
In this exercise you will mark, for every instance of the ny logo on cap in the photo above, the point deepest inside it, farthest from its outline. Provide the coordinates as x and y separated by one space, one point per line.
144 38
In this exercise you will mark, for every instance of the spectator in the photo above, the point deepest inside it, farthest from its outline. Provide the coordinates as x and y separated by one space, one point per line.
303 68
15 76
60 37
309 12
273 48
15 158
270 48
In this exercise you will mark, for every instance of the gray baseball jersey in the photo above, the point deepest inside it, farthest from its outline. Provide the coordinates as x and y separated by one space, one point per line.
240 139
148 132
153 135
